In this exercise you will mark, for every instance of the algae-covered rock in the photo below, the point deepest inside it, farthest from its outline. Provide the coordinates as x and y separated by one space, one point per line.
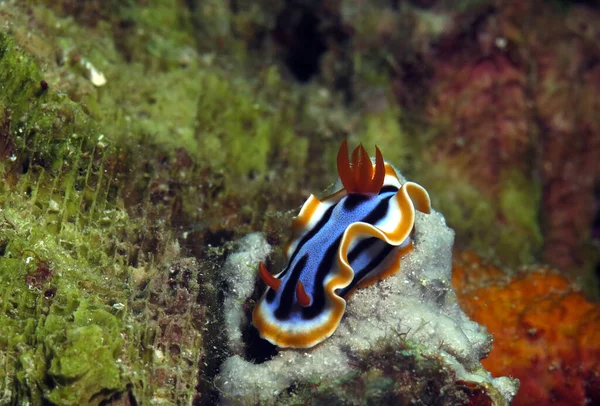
61 337
75 265
84 355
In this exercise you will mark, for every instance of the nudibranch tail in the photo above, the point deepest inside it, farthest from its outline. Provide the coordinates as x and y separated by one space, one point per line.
359 176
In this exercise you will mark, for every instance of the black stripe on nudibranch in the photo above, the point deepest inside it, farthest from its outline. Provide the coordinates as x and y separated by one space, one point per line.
388 189
362 273
352 201
287 296
271 295
325 267
360 247
318 304
314 230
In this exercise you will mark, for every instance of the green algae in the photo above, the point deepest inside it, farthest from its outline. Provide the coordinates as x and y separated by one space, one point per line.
505 229
519 205
64 343
400 144
84 355
61 337
239 128
177 98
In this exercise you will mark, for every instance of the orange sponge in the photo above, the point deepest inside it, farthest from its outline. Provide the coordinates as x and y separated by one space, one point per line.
546 333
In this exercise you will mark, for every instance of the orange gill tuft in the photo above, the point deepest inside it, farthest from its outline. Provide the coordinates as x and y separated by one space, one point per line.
359 176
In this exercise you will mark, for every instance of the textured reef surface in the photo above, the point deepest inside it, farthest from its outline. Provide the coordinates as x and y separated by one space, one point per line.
152 152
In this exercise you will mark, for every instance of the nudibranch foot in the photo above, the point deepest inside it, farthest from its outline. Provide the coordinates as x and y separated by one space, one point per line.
343 242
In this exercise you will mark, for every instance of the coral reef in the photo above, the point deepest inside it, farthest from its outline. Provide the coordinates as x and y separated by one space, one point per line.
568 82
394 374
479 102
239 276
139 138
546 333
418 305
515 94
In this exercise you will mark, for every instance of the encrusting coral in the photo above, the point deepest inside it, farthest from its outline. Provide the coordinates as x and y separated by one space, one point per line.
546 333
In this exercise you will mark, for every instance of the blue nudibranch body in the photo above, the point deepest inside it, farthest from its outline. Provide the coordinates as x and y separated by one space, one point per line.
345 241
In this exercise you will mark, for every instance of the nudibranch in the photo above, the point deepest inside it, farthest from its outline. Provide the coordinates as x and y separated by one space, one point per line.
345 241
